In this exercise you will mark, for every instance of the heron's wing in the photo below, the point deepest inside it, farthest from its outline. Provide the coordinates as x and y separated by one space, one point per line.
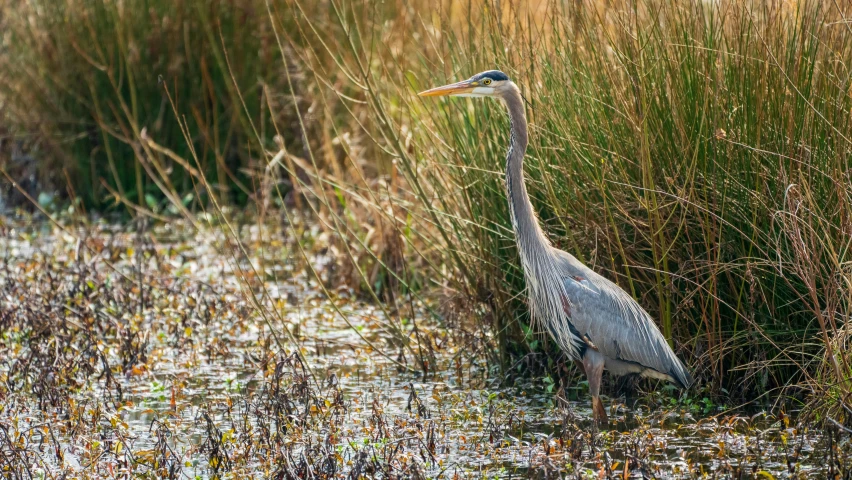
612 322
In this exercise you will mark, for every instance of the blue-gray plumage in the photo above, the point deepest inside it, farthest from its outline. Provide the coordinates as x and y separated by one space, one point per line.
592 319
629 339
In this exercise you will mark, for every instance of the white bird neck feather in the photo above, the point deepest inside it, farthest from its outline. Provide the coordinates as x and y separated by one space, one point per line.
549 303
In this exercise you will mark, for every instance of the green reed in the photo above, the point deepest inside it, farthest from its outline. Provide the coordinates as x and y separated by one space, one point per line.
695 153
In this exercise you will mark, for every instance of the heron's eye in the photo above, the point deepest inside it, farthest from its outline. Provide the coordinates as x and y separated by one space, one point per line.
487 81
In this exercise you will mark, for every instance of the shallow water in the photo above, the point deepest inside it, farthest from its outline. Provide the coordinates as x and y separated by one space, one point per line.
206 399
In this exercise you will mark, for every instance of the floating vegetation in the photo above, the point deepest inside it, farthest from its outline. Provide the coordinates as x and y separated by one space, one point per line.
141 355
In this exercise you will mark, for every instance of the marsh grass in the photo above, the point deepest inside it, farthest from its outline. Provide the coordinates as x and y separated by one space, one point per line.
82 80
694 153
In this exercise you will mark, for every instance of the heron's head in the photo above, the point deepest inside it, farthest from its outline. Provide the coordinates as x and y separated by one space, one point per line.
486 84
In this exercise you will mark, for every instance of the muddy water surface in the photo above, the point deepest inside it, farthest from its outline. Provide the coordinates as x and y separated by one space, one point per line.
170 355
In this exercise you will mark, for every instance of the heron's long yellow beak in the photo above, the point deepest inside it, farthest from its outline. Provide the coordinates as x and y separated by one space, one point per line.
458 88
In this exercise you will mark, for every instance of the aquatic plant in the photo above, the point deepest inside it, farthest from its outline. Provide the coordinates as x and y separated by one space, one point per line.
695 153
117 348
82 81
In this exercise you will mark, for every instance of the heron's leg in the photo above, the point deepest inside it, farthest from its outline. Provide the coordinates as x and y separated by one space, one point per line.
593 364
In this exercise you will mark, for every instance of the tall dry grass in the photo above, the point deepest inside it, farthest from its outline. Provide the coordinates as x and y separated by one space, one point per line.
696 153
82 80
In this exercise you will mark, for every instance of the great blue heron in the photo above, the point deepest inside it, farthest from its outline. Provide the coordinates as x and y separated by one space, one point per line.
592 319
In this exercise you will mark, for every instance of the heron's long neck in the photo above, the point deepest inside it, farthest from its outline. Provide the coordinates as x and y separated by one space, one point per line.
528 233
545 288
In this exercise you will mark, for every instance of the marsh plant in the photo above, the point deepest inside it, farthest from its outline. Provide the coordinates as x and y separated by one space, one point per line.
694 152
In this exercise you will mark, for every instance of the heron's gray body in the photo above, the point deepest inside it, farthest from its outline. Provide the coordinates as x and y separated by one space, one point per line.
592 319
629 340
580 309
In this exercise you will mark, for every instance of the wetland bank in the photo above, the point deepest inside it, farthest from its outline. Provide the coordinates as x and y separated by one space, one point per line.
308 272
162 354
